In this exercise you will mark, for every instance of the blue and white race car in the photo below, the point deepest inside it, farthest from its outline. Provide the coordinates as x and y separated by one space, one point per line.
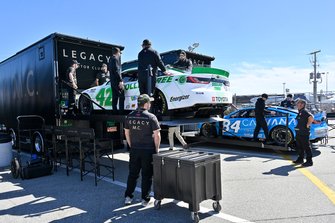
242 122
202 90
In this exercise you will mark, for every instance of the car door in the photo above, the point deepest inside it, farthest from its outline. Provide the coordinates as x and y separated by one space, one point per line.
239 124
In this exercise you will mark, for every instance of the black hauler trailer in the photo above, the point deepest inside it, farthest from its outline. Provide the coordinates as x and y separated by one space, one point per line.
31 84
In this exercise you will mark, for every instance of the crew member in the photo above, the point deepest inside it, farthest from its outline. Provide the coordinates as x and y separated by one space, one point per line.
288 102
142 133
260 118
175 130
116 81
103 76
183 63
71 78
305 119
148 62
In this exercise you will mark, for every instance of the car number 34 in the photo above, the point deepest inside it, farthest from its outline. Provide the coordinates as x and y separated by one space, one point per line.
228 126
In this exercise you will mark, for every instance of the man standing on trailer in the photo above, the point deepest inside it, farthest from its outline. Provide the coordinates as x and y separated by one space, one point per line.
116 80
148 62
103 76
183 63
260 118
71 78
142 133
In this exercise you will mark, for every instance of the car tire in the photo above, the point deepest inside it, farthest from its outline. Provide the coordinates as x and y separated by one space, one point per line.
278 135
160 104
85 105
208 130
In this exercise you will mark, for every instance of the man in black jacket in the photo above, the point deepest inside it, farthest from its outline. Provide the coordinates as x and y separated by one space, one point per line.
288 102
260 118
183 63
116 80
148 62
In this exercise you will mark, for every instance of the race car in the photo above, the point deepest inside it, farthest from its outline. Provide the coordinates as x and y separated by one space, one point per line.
242 122
202 90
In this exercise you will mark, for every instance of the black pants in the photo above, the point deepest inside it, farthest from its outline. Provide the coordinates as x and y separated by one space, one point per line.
146 83
140 160
261 123
72 98
117 97
304 146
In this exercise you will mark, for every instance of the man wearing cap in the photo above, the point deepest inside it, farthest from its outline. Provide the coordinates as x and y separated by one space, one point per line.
148 62
142 133
260 118
116 80
103 76
71 78
183 63
288 102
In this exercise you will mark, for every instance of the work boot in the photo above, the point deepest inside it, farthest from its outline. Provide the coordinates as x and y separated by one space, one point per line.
300 160
309 162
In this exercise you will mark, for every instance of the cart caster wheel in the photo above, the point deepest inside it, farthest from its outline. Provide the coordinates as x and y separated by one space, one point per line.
216 206
195 217
157 204
15 168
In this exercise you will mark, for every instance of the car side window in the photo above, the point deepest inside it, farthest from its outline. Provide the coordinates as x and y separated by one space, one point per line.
130 76
252 113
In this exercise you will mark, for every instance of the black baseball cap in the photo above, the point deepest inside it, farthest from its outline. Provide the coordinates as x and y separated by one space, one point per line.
265 96
144 98
146 42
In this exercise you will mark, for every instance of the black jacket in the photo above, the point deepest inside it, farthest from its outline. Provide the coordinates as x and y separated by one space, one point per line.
259 108
183 64
115 71
149 56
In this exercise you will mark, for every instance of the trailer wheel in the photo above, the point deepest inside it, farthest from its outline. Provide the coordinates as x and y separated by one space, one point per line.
85 105
13 136
15 168
195 217
217 206
157 204
38 142
278 134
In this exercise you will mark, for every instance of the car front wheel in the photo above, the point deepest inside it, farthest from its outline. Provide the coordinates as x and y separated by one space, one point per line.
278 134
85 105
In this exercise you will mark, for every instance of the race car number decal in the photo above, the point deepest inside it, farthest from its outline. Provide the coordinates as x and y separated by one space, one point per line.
104 97
235 126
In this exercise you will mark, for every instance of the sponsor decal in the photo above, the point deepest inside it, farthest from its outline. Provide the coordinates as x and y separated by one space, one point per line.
182 80
215 84
131 86
219 99
197 92
165 79
235 126
179 98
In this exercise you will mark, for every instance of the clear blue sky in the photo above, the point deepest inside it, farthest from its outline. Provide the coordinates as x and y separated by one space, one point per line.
262 43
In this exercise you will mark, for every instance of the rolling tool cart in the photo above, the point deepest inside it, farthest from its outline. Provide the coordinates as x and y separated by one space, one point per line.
188 176
39 164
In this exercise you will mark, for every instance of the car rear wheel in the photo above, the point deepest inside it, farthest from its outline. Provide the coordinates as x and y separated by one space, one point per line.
85 105
278 134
